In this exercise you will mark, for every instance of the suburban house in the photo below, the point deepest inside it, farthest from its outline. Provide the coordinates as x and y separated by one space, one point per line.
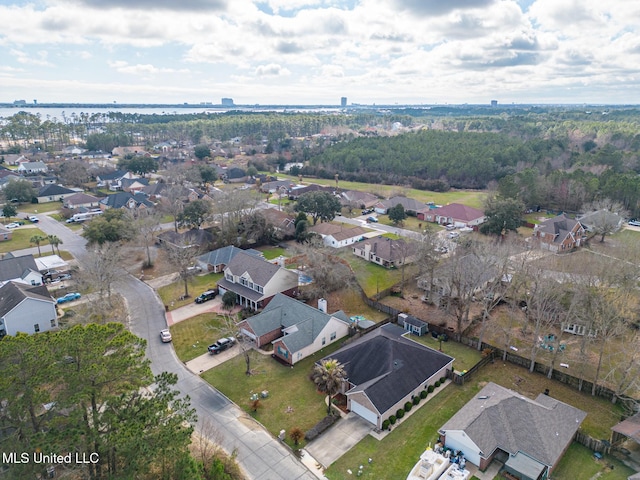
113 180
298 190
411 206
337 236
255 281
5 234
133 184
385 370
130 201
283 223
54 193
138 150
528 436
559 234
295 329
601 220
276 185
80 200
23 269
358 199
32 167
216 260
454 214
26 308
386 251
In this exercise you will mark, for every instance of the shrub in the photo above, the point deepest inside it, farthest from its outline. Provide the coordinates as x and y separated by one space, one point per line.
442 380
416 400
385 425
423 394
408 406
430 389
437 384
320 427
392 419
400 413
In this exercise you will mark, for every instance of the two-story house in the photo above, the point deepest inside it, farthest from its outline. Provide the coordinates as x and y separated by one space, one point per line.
23 269
26 308
255 281
559 234
386 251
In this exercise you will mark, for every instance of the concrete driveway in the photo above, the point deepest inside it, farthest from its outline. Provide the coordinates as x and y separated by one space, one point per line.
339 439
193 309
207 361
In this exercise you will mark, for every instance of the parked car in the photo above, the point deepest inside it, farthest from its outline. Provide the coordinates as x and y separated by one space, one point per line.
634 222
206 296
69 297
372 220
11 225
450 226
193 270
221 345
165 335
453 235
33 219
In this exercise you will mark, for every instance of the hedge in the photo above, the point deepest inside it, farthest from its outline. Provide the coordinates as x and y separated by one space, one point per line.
320 427
430 389
423 394
392 419
408 406
385 425
416 400
400 413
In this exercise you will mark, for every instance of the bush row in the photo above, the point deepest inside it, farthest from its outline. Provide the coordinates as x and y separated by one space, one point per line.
320 427
415 400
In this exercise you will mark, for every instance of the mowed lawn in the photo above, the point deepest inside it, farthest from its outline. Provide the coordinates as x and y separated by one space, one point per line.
192 337
170 294
579 462
465 357
20 239
293 400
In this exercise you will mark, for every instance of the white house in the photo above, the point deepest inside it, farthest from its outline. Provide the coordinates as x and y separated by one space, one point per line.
337 236
23 269
32 167
26 308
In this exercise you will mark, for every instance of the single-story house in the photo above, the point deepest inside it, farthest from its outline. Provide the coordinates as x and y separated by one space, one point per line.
601 221
133 184
455 213
80 200
283 223
411 206
5 234
216 260
26 308
131 201
385 370
138 150
255 281
32 167
358 199
530 436
337 236
22 269
386 251
54 193
295 329
274 186
559 234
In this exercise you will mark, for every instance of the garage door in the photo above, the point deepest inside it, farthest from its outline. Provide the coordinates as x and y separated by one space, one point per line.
364 412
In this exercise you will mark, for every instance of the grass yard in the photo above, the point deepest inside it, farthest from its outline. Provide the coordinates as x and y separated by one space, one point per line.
192 337
293 400
273 252
465 357
394 456
20 239
374 278
170 294
39 207
579 462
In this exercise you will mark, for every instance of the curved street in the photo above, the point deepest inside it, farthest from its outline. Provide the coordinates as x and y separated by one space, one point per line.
259 454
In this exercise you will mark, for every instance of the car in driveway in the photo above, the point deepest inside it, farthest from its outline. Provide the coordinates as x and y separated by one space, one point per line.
12 225
372 220
453 235
165 335
633 222
221 345
206 296
69 297
33 219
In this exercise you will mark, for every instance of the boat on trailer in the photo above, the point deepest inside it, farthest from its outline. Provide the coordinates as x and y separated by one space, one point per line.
430 466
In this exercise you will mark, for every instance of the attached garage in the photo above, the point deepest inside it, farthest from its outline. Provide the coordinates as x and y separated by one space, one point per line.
364 412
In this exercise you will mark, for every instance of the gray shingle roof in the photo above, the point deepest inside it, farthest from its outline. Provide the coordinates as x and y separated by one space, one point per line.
501 418
15 267
388 366
258 269
222 256
408 203
49 190
12 293
559 226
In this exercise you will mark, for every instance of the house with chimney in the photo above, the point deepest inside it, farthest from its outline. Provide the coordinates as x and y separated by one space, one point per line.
559 234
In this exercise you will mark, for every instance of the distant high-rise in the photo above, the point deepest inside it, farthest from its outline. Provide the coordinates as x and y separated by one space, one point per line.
343 102
227 102
494 103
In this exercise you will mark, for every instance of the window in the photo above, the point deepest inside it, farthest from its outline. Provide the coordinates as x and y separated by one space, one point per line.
283 352
36 327
229 277
333 336
53 322
324 340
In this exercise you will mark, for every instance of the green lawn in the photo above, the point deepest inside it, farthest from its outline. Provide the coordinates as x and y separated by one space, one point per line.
273 252
170 294
39 207
465 357
20 239
372 277
293 400
192 337
579 462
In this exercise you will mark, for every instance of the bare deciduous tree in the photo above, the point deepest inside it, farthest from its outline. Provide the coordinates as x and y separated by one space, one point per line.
182 256
147 224
102 267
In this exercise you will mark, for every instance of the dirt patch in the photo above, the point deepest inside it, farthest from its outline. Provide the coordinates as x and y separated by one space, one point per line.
137 255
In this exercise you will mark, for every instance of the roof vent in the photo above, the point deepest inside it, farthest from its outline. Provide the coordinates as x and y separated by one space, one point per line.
483 397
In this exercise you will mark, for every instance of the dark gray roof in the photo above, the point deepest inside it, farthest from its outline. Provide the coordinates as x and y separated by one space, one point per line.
49 190
258 269
12 293
559 226
388 366
155 188
127 182
15 267
408 203
392 250
121 199
80 198
118 174
240 290
501 418
222 256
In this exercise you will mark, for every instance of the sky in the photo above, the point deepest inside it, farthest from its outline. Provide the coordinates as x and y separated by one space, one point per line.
312 52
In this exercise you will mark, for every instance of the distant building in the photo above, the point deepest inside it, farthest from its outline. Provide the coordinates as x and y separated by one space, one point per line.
343 102
227 102
494 103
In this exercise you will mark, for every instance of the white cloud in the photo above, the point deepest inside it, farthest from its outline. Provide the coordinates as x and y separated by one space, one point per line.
271 70
142 69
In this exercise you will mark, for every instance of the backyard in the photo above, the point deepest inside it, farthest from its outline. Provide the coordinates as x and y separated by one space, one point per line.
172 294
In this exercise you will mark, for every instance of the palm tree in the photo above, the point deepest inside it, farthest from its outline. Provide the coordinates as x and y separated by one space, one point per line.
54 241
37 239
328 376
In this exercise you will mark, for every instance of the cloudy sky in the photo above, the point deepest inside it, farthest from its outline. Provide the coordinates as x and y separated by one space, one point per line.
316 51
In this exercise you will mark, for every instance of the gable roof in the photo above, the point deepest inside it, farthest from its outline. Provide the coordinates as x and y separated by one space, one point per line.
388 248
408 203
12 293
258 268
457 211
15 267
50 190
629 428
346 233
117 175
32 166
121 199
222 256
80 198
362 198
501 418
387 366
559 226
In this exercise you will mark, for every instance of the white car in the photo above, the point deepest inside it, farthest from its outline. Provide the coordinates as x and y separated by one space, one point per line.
453 235
165 335
12 225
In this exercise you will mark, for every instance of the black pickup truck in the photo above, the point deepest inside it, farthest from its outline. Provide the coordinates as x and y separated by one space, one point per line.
221 345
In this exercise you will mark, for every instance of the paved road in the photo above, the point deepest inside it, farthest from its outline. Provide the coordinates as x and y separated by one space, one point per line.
260 455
